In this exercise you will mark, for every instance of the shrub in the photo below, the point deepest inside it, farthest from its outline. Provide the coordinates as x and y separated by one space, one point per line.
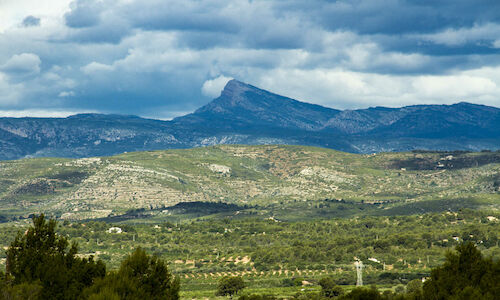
230 285
140 276
328 288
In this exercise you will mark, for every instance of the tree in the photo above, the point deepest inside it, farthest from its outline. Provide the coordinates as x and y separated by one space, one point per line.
414 287
328 288
140 276
463 274
41 257
414 290
22 291
360 293
257 297
230 285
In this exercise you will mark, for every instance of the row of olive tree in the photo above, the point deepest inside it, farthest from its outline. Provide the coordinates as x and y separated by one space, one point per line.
465 274
42 265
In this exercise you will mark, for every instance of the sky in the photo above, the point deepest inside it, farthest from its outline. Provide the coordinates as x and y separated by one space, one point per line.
165 58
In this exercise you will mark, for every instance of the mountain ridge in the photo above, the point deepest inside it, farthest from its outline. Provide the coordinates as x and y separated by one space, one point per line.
245 114
242 102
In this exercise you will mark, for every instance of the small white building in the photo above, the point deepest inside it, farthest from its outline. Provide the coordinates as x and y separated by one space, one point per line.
115 230
374 259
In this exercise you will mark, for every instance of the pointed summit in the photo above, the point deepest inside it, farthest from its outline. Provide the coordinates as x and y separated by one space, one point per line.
246 104
235 87
234 93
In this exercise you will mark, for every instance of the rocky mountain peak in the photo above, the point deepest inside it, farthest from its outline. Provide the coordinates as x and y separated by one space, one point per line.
238 95
245 114
248 104
235 89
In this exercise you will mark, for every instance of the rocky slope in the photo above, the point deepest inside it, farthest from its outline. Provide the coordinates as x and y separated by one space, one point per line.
244 114
246 175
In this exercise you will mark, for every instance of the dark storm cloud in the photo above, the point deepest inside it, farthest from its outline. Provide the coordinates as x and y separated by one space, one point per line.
155 93
182 15
99 34
84 13
396 16
152 57
30 21
281 24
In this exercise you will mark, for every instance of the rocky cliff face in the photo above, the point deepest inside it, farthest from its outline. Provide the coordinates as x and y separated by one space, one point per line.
245 114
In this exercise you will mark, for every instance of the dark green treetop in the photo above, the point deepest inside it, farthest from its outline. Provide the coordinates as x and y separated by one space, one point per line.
465 273
140 276
41 257
230 285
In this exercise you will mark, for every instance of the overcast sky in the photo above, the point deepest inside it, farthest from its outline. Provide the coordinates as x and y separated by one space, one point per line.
164 58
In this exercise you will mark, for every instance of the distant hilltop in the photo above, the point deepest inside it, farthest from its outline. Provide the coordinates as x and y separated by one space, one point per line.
245 114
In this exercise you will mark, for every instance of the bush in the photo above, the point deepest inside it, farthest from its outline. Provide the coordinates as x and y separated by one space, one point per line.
140 276
362 294
328 288
287 282
230 285
22 291
256 297
414 287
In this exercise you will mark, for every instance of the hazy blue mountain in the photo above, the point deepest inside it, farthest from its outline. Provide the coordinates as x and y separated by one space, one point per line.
244 114
81 135
242 104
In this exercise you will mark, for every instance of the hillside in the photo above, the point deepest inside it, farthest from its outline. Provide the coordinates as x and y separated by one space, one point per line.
278 180
244 114
276 215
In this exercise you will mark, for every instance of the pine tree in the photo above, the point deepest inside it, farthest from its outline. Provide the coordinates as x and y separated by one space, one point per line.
41 257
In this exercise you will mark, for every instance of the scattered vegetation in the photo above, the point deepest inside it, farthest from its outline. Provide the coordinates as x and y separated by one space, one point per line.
288 221
264 177
39 266
277 257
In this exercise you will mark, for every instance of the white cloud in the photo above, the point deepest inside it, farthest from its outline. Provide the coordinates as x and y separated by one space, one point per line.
368 56
64 94
453 86
340 88
22 64
9 92
213 87
95 67
40 113
12 13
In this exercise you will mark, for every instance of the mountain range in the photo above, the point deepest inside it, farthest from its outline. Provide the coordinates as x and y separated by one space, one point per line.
244 114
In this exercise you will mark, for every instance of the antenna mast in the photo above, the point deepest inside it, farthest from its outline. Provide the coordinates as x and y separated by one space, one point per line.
359 272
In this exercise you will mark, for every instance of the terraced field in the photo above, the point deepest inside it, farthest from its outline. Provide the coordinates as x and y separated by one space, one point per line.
265 176
282 217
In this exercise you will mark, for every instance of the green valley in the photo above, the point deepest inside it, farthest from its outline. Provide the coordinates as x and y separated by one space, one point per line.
281 217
